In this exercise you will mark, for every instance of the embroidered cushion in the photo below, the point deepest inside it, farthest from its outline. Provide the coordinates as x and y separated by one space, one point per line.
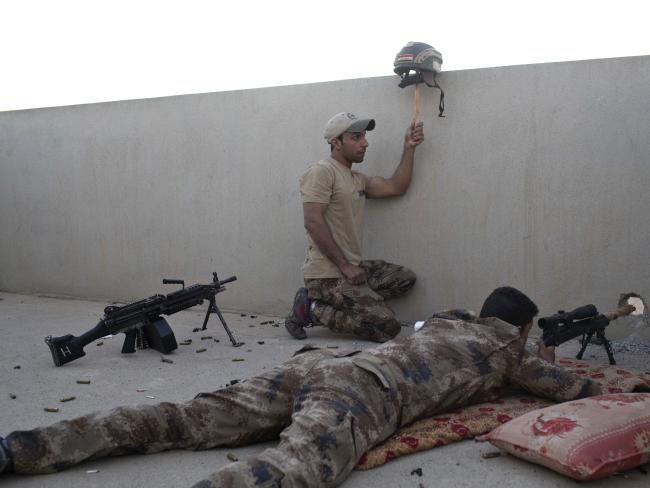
584 439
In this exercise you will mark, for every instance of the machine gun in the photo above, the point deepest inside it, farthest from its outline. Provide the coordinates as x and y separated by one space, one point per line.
585 321
141 321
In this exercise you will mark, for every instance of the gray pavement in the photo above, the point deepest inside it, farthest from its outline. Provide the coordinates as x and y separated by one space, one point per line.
28 373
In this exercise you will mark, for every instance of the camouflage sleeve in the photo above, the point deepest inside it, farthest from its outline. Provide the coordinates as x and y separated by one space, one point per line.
550 381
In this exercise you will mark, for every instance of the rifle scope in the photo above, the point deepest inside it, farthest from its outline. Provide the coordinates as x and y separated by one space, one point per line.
562 317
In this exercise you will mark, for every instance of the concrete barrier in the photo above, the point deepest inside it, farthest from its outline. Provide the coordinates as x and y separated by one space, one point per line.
537 177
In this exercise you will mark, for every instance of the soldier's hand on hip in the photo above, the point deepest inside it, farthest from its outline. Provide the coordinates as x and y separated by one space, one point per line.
354 274
414 135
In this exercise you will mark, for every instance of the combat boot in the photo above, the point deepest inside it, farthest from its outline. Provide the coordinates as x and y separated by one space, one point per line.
300 317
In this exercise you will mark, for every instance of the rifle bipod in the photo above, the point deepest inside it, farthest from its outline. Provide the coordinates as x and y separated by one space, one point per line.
212 308
586 339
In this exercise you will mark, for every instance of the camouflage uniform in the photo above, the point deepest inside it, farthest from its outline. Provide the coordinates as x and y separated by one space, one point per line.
360 309
327 407
251 411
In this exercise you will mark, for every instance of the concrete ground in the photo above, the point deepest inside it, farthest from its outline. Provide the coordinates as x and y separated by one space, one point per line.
29 382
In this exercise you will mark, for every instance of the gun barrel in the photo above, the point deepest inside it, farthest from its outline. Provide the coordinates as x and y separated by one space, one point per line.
228 280
144 311
186 298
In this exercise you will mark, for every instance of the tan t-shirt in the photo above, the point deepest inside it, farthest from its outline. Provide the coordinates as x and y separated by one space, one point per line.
331 182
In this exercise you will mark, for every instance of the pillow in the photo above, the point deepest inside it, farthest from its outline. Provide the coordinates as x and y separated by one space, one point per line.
584 439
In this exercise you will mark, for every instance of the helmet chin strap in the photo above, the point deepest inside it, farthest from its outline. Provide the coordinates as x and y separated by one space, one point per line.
441 103
418 77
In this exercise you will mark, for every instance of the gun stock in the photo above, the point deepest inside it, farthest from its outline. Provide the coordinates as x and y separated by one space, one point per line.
68 347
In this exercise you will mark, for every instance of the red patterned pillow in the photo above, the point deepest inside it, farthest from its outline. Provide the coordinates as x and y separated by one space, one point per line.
585 439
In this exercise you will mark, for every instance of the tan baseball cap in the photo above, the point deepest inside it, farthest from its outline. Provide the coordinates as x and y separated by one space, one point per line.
346 122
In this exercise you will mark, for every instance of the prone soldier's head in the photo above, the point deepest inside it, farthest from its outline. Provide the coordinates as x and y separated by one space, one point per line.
512 306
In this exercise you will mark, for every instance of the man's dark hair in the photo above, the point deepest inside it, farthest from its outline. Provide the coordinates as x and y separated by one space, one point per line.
510 305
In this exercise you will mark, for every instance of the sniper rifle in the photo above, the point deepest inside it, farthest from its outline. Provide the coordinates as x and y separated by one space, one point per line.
584 321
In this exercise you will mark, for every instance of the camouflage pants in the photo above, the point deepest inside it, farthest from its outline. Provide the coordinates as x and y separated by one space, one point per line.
341 411
326 410
361 309
251 411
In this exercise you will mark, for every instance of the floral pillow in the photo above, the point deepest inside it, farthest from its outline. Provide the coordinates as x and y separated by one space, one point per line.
585 439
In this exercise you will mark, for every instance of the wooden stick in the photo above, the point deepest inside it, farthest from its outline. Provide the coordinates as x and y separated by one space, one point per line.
416 118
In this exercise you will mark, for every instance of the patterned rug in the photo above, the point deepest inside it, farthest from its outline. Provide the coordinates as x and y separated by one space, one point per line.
468 422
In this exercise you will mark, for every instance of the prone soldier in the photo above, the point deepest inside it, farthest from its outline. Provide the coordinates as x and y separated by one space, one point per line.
327 407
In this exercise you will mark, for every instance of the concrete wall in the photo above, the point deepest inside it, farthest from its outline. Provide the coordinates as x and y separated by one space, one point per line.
537 177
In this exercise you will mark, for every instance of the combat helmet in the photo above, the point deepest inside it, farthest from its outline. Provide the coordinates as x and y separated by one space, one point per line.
420 58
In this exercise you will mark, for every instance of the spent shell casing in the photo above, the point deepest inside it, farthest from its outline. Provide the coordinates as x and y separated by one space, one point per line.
490 455
186 343
100 344
51 409
12 396
201 350
232 457
83 382
67 399
237 359
150 396
165 360
92 471
205 338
